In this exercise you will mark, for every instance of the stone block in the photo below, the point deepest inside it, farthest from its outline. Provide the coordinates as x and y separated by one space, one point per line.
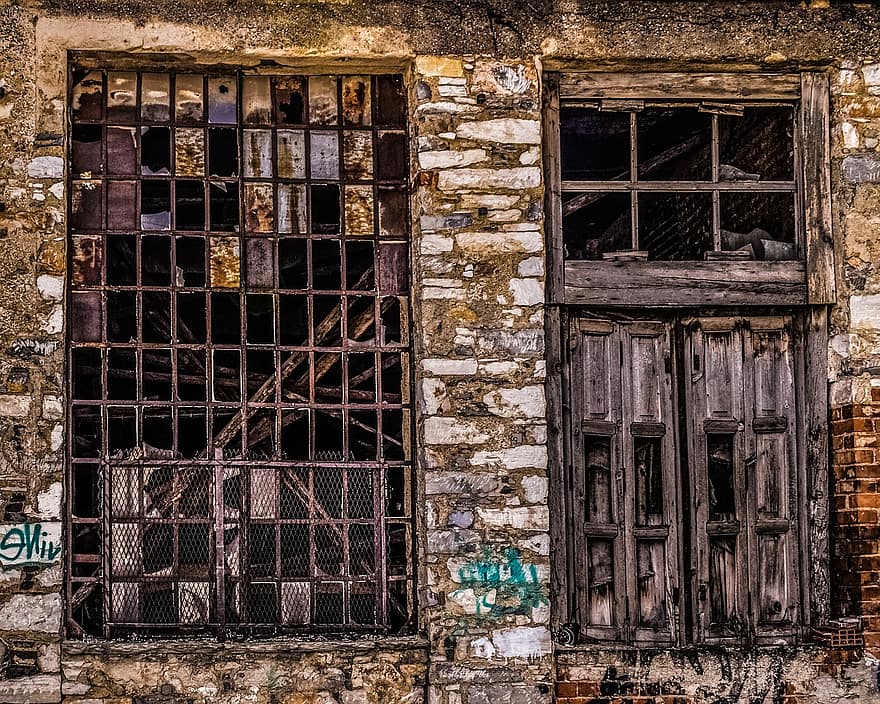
534 488
527 292
864 312
861 168
522 642
520 457
451 158
516 517
435 244
14 406
39 689
473 484
487 244
438 66
449 367
31 612
503 130
450 541
527 402
517 178
508 694
46 167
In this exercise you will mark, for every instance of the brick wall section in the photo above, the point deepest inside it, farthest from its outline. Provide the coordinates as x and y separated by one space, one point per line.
855 520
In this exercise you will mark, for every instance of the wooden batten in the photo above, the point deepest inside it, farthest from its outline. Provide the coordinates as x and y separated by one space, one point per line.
679 86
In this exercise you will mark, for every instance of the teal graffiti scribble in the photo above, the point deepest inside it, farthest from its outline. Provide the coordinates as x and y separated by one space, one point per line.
26 544
514 585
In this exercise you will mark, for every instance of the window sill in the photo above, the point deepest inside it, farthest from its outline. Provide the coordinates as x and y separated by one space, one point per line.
207 646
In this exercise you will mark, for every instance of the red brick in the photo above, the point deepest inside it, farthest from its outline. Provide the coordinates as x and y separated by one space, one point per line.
864 500
588 689
566 689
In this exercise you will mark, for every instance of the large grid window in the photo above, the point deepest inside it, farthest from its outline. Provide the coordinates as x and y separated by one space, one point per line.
239 454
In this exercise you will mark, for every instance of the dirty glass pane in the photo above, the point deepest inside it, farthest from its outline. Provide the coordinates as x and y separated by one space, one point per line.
222 100
391 156
121 96
292 209
393 267
393 212
324 155
289 100
600 588
86 205
259 207
390 101
720 467
596 224
87 259
291 153
323 105
121 205
155 97
759 225
257 146
87 99
189 98
225 262
675 226
121 151
260 263
356 100
594 144
85 321
744 140
189 151
256 100
674 144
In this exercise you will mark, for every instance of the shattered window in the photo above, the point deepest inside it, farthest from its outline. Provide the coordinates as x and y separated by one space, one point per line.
239 364
689 181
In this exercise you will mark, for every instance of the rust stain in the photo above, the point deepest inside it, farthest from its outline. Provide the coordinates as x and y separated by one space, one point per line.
356 100
259 207
225 262
189 150
357 148
359 210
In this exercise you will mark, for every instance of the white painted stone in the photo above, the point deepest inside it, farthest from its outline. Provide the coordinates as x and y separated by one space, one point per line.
452 431
521 227
448 294
481 648
871 74
850 135
447 135
530 156
46 167
31 612
14 406
541 613
447 91
488 243
505 215
517 178
49 502
434 398
534 488
533 266
57 190
527 402
487 200
447 106
466 601
499 368
51 288
74 688
49 657
36 689
539 544
55 320
503 130
521 457
864 312
449 367
518 517
527 292
449 158
53 407
466 483
435 244
56 437
522 642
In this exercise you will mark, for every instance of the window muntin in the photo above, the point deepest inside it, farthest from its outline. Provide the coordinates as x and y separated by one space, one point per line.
239 353
679 181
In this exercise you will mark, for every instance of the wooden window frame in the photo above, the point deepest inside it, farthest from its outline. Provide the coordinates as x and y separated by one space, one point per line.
806 286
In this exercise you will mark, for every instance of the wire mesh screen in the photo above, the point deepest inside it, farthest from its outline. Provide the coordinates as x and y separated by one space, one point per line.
239 454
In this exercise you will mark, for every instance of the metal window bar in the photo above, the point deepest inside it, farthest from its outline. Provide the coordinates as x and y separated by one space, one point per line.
237 474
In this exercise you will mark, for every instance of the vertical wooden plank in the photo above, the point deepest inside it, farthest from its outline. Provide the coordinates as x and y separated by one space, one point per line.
562 578
816 424
815 138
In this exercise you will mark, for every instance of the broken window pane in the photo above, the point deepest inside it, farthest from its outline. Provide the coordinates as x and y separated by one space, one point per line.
759 225
649 481
259 207
156 260
189 205
600 558
191 375
289 100
359 266
261 372
719 464
87 99
155 97
121 258
223 205
326 264
359 210
597 452
294 319
222 152
596 224
190 261
292 263
225 321
85 152
222 100
227 375
156 311
356 100
122 319
86 370
594 145
189 98
156 375
155 205
122 377
155 151
674 144
652 587
325 210
260 318
190 317
758 145
675 226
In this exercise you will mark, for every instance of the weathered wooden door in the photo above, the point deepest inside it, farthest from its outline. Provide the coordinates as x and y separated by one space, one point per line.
624 467
742 400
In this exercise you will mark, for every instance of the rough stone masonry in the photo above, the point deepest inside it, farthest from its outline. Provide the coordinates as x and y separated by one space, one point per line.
473 71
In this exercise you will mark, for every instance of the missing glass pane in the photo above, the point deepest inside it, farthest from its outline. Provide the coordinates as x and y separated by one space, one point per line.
675 226
674 144
759 225
595 145
594 224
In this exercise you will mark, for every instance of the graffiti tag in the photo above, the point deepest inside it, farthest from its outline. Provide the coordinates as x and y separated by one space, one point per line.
30 544
496 585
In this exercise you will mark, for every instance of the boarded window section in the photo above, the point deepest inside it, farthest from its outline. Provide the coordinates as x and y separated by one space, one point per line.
686 181
239 354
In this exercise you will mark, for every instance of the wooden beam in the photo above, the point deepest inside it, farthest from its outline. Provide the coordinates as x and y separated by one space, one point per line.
679 86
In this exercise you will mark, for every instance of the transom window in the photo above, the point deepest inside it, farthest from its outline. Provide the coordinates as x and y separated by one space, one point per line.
239 454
